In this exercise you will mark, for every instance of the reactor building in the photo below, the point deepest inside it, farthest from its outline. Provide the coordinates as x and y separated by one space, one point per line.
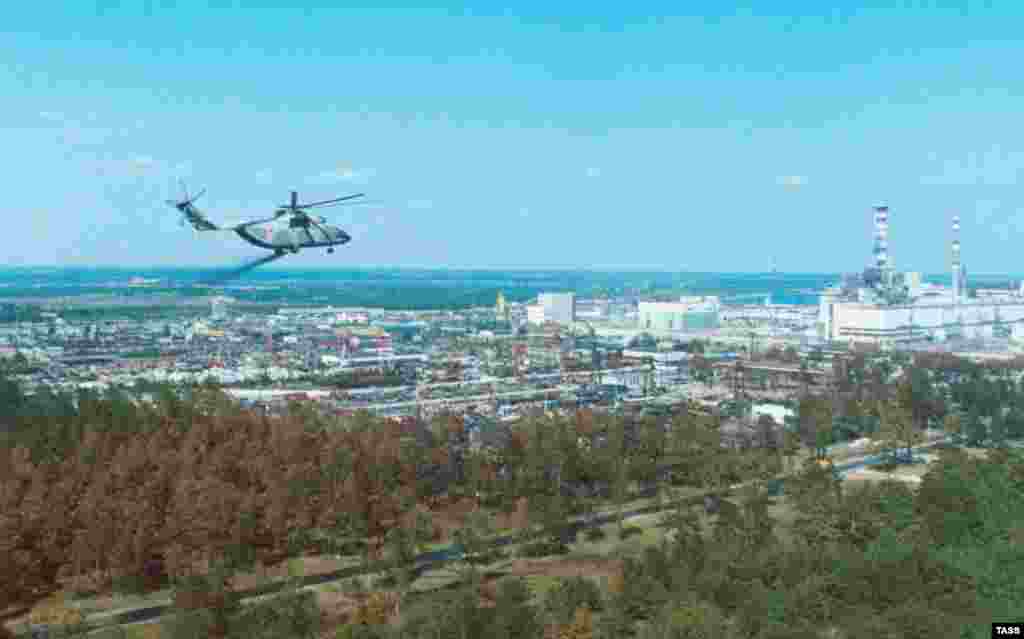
884 306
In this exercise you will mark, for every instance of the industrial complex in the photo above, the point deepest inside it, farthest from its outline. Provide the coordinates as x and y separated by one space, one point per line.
559 348
886 307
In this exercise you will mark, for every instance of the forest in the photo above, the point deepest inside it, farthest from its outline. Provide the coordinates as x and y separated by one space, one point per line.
100 494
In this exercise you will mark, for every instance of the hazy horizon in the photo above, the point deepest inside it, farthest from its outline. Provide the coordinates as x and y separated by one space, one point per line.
278 268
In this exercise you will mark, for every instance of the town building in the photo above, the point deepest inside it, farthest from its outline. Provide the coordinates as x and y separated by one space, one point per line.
558 307
689 314
535 314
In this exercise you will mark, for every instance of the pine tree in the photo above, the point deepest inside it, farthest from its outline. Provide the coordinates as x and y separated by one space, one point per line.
582 626
953 427
514 616
897 432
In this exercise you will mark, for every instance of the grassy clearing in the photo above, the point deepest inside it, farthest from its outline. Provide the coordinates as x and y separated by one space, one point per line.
143 631
436 579
540 585
600 548
612 546
976 453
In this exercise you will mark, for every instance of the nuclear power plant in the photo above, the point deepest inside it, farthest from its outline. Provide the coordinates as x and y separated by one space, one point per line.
886 307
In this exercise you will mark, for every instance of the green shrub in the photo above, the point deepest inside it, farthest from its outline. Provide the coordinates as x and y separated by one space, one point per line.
628 531
385 581
595 534
195 624
490 557
352 631
355 585
543 548
351 547
567 595
111 632
294 614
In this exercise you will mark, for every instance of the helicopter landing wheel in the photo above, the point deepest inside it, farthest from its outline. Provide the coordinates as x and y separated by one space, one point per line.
330 250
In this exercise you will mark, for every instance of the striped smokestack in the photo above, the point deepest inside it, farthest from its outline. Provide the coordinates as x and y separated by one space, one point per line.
955 258
882 238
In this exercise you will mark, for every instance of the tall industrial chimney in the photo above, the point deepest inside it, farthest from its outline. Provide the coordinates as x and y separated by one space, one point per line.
882 242
955 255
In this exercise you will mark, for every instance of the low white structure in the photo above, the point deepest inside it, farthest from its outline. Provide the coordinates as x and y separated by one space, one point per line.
267 395
558 307
776 412
631 378
687 315
877 323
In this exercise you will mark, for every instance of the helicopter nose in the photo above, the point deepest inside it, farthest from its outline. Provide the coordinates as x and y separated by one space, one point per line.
343 237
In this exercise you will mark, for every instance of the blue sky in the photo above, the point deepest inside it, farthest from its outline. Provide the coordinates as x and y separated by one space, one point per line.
569 135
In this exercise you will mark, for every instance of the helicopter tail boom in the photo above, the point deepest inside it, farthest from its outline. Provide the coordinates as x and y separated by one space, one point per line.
194 216
190 214
198 221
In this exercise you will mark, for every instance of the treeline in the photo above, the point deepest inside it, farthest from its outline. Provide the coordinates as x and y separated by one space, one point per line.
895 398
20 313
132 312
100 493
360 379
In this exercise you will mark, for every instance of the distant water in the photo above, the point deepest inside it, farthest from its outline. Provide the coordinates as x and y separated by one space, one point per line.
784 288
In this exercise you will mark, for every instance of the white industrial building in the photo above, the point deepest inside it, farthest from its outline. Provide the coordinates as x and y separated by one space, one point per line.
219 308
887 307
558 307
687 315
552 307
857 322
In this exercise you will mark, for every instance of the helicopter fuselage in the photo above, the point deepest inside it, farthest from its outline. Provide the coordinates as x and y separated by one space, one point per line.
286 234
290 230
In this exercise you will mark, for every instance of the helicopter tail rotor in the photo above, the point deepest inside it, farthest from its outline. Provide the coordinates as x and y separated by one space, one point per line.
189 213
187 200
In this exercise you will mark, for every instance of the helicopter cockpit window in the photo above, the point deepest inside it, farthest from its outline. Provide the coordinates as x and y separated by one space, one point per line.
295 223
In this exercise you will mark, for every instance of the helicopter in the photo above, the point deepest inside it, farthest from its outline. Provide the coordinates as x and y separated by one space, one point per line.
291 229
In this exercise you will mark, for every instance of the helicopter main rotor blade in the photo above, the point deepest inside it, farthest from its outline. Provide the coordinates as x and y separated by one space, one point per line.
334 201
198 195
